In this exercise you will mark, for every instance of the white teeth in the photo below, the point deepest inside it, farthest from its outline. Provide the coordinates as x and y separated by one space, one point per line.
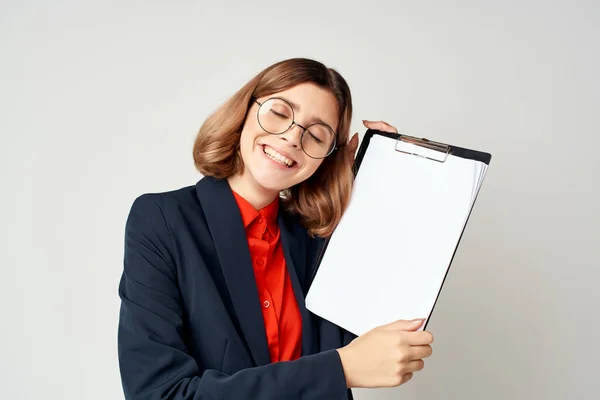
277 157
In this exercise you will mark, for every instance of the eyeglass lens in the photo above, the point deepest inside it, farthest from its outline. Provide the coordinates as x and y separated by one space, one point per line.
276 116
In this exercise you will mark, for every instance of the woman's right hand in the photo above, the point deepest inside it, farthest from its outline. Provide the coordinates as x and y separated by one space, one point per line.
386 356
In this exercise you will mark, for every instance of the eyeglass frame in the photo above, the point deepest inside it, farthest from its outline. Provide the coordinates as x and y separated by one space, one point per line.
304 129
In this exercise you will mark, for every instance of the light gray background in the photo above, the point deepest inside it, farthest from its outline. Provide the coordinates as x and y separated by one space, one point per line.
100 102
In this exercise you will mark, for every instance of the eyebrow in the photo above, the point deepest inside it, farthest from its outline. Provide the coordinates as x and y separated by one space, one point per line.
296 108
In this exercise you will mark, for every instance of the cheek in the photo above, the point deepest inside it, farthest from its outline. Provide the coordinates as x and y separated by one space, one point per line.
312 166
247 140
250 131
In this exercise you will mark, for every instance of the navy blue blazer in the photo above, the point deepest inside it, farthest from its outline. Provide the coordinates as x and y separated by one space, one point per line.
190 324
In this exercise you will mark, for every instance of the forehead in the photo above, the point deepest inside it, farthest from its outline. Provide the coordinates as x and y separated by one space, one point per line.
311 103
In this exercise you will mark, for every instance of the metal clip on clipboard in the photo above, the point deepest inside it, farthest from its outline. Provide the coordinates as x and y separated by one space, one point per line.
428 149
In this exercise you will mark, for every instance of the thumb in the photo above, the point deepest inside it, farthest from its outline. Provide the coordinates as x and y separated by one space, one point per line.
353 145
402 325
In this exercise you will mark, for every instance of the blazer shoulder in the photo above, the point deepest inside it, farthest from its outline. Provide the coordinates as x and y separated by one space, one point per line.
167 201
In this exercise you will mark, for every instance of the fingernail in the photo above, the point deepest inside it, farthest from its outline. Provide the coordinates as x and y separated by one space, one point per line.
418 321
364 121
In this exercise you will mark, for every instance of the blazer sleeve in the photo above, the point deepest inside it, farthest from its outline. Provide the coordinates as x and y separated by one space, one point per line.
153 360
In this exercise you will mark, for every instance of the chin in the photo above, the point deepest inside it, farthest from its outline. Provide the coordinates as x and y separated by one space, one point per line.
270 182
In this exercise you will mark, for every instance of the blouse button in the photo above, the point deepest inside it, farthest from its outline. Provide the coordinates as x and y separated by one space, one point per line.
260 262
266 303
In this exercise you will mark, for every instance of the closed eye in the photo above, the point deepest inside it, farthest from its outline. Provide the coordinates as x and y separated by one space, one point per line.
314 137
279 115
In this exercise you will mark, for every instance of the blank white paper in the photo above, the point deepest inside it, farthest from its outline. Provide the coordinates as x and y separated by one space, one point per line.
389 255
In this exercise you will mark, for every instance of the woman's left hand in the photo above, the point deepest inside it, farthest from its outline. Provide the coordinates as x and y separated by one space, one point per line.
378 125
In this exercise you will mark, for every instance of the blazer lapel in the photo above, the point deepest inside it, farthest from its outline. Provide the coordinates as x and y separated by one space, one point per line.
227 230
296 261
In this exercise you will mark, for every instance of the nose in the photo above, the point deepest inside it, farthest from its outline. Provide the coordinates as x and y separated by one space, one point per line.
293 135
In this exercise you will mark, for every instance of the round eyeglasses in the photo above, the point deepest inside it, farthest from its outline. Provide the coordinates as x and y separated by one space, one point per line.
276 116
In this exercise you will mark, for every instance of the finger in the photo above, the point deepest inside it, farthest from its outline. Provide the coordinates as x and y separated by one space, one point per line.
380 126
414 366
418 338
406 378
353 144
420 352
402 325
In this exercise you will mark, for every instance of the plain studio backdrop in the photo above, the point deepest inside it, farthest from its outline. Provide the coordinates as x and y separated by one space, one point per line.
100 102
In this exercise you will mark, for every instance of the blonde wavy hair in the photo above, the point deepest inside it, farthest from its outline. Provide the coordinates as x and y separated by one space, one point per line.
320 200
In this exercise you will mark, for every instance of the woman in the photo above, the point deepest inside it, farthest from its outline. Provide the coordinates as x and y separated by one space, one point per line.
215 274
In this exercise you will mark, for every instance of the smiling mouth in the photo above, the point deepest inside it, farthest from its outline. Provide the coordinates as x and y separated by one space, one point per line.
275 156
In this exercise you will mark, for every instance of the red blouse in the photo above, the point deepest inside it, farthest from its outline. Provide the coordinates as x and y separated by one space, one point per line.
282 319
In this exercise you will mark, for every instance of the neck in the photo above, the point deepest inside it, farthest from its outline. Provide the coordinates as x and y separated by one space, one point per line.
251 191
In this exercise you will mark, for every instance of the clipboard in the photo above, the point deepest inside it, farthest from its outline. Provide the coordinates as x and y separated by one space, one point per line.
419 190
